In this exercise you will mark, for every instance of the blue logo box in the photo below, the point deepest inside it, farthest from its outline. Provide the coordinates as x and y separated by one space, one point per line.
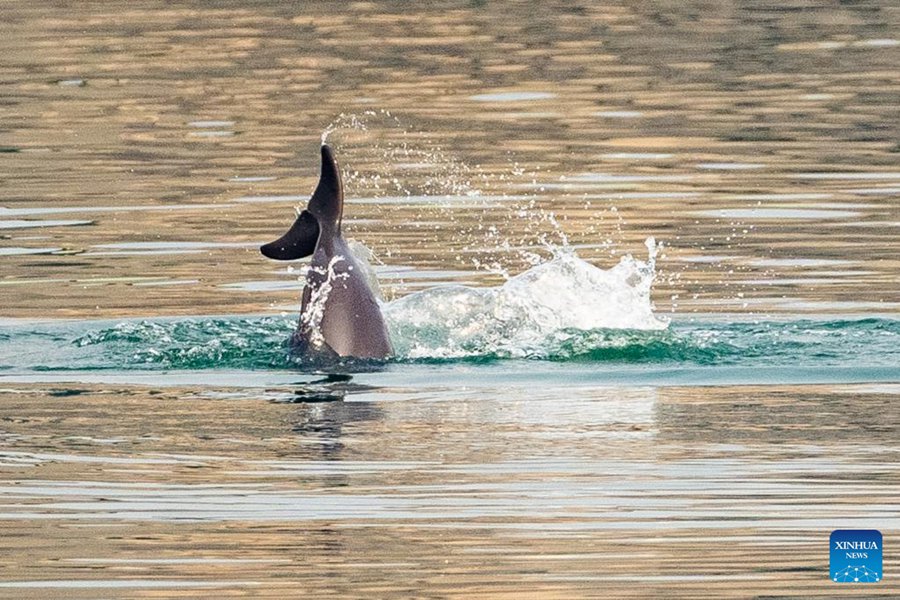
856 556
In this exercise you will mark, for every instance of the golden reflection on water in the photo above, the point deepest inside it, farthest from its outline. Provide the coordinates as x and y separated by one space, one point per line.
789 117
673 492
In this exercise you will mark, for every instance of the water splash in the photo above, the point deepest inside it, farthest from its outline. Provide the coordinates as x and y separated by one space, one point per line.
532 315
557 296
391 159
383 153
358 122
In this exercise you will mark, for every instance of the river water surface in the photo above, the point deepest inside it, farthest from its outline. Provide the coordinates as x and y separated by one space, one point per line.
639 262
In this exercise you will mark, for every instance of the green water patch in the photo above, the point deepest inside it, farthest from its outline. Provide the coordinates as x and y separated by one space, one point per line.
260 344
193 344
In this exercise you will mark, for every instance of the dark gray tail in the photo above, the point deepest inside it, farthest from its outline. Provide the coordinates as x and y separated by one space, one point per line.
324 211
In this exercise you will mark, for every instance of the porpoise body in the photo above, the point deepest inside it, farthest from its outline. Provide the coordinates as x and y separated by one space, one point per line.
339 314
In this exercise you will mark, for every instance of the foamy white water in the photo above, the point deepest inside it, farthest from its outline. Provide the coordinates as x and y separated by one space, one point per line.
530 314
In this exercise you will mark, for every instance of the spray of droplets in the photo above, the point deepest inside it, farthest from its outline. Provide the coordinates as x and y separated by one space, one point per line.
381 149
458 211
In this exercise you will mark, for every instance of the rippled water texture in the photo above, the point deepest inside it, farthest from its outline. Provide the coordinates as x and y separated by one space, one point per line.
639 262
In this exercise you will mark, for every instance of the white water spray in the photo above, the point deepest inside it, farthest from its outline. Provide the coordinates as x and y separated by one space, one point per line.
531 314
311 319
